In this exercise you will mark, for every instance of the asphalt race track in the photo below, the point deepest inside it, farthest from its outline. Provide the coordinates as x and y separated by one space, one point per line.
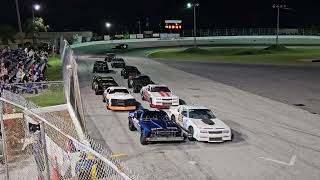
272 140
290 85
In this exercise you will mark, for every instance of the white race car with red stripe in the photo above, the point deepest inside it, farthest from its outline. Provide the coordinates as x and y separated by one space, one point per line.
159 96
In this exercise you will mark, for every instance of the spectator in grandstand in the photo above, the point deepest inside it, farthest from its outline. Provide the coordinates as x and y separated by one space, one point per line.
19 75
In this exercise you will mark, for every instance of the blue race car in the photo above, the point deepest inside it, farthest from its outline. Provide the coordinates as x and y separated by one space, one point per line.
155 126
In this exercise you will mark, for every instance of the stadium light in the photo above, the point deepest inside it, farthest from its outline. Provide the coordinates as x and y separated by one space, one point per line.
189 5
36 7
108 25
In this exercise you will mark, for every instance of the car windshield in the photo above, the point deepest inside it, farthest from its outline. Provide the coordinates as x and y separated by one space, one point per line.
160 89
119 60
155 115
201 114
119 91
131 68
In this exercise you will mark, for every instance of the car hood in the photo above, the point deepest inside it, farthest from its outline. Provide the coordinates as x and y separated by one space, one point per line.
161 124
163 94
120 96
209 123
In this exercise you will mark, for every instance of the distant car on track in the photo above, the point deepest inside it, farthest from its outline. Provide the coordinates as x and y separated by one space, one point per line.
101 84
119 98
201 123
121 46
154 125
159 96
118 63
109 57
138 82
100 67
129 69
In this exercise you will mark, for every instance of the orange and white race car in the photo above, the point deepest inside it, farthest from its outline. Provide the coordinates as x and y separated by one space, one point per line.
119 98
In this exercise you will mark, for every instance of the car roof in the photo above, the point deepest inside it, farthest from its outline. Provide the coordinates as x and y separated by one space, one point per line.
158 85
118 88
118 59
194 107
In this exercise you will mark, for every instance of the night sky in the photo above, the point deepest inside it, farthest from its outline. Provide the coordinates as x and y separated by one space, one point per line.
124 14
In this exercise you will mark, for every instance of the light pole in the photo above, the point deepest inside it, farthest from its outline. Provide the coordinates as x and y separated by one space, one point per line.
35 7
278 7
194 5
19 21
108 26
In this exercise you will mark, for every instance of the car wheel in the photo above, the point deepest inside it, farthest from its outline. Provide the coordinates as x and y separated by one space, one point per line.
143 139
96 93
131 126
103 100
173 118
191 132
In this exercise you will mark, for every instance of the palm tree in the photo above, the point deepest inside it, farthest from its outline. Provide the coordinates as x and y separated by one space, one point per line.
7 34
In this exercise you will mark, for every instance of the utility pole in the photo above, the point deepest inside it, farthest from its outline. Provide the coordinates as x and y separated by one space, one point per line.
139 26
19 21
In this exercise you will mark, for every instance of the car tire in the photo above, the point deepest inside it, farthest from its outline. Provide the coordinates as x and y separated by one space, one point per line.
143 138
173 118
96 93
191 131
131 126
104 100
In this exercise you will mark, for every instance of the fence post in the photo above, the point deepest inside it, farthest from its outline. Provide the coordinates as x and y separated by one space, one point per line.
4 146
44 147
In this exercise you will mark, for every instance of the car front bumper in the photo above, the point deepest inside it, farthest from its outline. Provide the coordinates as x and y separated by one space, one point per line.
122 108
165 105
159 139
214 138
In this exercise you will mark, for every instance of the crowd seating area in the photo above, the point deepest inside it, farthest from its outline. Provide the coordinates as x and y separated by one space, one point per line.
22 70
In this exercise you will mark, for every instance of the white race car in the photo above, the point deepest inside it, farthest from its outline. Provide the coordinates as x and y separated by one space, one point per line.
159 96
201 123
119 98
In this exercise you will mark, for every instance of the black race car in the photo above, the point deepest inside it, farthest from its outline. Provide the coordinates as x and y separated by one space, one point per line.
100 67
121 46
138 82
118 63
97 78
129 69
109 57
102 83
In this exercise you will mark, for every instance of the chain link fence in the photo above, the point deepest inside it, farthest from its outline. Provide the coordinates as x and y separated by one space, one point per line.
38 145
52 150
250 32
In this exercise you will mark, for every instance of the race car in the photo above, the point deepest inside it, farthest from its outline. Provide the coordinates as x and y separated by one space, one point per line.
97 78
154 125
138 82
109 57
159 96
129 69
118 63
201 123
121 46
101 84
100 67
119 98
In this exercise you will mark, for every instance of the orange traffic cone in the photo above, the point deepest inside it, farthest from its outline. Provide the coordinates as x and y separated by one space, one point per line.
55 172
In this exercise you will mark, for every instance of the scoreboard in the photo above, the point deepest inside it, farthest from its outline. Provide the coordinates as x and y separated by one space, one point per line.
173 24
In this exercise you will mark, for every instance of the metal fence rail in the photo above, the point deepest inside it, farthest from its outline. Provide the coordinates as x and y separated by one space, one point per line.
55 150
